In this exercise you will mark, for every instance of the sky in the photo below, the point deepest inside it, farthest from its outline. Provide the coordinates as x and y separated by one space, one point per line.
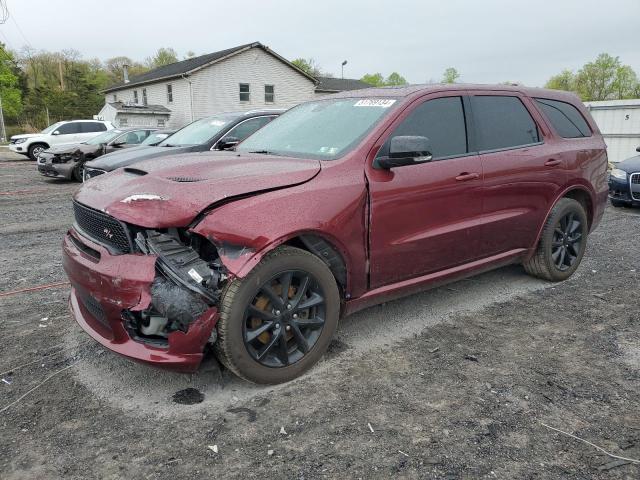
487 41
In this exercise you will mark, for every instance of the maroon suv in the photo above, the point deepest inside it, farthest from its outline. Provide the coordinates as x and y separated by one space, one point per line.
337 205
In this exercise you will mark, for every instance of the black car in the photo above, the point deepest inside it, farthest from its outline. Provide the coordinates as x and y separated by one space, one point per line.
217 132
624 182
66 161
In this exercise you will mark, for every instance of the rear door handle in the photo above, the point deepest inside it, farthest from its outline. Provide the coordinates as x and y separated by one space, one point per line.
552 162
464 177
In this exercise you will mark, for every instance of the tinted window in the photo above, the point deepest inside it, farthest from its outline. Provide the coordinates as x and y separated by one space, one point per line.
565 118
441 121
246 128
89 127
502 122
69 128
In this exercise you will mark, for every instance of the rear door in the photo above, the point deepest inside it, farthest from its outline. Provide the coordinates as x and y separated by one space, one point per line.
88 130
523 169
424 218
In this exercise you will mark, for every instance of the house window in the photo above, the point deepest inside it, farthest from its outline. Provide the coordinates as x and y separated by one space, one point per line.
123 122
269 94
144 96
169 93
115 97
135 96
244 92
161 121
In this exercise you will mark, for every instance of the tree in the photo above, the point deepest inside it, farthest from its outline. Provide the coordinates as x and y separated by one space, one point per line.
595 80
377 80
565 80
115 68
308 66
9 84
164 56
189 54
450 75
625 83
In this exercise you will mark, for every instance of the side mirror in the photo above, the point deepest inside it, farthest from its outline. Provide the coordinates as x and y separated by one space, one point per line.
227 143
637 149
406 150
55 132
118 144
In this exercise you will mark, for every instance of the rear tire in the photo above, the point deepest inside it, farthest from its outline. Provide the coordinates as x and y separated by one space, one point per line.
295 335
77 172
35 150
562 243
618 203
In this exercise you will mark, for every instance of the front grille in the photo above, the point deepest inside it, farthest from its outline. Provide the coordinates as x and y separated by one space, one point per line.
634 186
102 228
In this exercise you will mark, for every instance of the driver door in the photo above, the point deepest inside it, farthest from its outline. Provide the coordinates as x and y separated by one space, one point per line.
426 217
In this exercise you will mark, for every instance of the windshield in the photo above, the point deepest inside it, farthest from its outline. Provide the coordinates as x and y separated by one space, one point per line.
326 129
154 138
51 128
198 132
105 137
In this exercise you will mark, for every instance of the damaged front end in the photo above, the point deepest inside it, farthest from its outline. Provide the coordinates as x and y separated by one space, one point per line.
151 297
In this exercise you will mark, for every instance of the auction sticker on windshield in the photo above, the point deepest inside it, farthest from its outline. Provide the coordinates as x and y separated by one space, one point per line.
374 102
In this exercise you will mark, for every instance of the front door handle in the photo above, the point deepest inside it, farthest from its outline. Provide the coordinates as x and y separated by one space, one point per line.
552 162
464 177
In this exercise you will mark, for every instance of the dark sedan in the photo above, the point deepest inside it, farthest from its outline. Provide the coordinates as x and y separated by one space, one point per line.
217 132
67 161
624 182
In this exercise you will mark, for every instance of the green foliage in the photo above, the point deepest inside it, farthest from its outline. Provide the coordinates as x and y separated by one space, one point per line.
10 83
450 75
114 68
377 80
164 56
308 66
603 79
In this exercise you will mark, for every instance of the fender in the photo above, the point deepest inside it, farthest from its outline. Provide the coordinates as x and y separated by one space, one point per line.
584 187
332 206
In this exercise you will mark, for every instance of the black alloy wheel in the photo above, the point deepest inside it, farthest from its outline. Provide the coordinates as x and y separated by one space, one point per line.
285 319
567 241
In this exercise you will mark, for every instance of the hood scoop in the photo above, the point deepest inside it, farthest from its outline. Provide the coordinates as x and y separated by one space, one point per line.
135 171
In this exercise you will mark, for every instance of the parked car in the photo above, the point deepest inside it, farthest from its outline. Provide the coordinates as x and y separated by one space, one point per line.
624 182
67 161
157 137
217 132
339 204
60 133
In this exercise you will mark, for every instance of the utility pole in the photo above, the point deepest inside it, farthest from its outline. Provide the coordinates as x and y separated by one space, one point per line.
343 64
60 72
46 109
3 136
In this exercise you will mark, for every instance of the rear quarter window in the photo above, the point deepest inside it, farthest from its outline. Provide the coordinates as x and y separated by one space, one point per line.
503 122
565 118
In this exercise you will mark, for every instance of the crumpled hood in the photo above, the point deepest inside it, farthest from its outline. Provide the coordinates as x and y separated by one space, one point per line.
73 148
170 192
129 156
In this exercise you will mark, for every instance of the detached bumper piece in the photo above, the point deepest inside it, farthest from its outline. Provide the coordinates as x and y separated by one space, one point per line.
156 305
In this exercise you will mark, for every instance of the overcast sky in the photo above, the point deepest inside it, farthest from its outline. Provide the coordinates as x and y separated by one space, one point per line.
488 41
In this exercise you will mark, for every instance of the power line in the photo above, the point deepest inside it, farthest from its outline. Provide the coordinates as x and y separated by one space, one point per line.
13 19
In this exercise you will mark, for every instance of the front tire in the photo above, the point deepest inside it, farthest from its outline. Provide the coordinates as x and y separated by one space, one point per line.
562 243
77 172
35 150
618 203
278 321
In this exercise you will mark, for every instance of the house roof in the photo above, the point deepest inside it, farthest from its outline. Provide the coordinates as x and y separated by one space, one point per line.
330 84
142 109
190 65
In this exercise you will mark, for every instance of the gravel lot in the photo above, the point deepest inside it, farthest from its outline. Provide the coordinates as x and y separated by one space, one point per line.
452 383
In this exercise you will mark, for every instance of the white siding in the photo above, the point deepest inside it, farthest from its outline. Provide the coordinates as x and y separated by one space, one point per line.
619 122
217 88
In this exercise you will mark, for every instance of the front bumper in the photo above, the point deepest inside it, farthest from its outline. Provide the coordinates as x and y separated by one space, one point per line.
55 170
104 287
18 148
624 190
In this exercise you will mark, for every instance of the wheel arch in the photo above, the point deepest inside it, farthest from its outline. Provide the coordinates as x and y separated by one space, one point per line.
38 142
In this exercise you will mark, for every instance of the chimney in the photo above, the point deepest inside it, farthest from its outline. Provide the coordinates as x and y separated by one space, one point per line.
125 73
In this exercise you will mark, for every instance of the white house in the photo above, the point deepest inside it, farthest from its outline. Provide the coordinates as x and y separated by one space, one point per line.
619 122
246 77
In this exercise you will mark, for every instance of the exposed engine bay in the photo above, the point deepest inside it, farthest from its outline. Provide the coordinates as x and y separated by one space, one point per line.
188 282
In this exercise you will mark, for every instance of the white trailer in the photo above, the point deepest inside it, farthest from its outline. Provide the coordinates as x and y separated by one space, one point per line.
619 122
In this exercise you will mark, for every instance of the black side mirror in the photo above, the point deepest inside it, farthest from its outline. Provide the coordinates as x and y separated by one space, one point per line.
637 149
227 143
406 150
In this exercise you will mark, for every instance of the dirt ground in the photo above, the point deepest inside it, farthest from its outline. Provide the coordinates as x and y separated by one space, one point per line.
452 383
